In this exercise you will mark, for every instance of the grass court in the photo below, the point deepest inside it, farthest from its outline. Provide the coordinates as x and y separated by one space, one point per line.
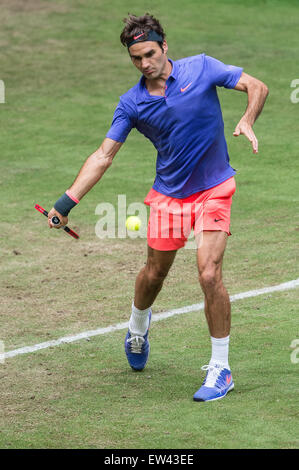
64 69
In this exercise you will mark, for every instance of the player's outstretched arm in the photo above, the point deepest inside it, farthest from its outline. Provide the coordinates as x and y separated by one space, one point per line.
90 173
257 93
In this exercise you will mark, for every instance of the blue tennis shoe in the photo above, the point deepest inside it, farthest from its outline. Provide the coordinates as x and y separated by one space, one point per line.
218 382
137 349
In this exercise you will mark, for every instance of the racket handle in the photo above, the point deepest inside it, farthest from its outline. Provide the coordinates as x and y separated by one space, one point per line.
55 220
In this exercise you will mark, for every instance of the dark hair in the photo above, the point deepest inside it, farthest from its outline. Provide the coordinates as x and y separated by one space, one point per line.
139 24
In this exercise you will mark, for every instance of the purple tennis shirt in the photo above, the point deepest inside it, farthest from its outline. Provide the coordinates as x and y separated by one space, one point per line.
185 126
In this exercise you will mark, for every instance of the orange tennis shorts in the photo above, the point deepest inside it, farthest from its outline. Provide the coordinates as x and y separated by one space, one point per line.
171 220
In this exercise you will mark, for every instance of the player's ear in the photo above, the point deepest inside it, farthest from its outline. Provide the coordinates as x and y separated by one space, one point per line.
164 47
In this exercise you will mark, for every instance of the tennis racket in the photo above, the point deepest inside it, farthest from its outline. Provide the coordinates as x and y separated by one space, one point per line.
55 221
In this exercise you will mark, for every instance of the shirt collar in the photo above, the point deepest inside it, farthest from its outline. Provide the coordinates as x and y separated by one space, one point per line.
142 94
174 72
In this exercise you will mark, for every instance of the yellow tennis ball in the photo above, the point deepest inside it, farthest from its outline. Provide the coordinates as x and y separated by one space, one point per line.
133 223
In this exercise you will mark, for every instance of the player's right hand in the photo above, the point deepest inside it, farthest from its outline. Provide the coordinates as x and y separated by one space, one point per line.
63 219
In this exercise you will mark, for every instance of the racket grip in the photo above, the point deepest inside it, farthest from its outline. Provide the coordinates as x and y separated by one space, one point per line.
55 220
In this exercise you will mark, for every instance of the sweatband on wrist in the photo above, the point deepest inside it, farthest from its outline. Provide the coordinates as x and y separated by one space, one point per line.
65 203
145 36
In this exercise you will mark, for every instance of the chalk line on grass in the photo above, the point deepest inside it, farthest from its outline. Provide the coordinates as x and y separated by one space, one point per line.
156 317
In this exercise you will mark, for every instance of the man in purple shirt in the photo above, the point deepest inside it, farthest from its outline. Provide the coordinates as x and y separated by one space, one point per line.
175 105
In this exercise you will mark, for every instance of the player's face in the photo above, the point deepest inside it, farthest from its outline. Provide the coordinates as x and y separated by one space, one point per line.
149 58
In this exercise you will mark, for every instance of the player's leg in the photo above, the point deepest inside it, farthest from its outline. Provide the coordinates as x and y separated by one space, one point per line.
151 277
217 303
210 254
164 236
148 284
162 248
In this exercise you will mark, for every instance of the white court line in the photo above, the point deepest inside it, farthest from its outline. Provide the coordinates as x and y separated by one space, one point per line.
157 317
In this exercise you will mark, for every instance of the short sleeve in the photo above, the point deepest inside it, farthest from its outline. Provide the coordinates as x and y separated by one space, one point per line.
220 74
121 125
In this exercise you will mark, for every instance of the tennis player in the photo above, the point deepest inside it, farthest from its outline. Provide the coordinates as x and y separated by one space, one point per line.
175 105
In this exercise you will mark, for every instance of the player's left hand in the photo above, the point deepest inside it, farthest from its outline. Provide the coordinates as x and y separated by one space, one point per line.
243 127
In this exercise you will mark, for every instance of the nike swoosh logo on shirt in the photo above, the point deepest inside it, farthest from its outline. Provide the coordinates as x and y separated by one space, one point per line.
136 37
184 89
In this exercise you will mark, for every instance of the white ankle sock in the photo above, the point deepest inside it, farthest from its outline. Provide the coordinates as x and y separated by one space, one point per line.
139 321
220 347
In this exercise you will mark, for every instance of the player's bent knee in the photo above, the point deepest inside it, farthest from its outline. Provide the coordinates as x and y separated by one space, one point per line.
209 279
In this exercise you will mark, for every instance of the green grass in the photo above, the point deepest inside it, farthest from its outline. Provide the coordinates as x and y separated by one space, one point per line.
64 69
84 395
